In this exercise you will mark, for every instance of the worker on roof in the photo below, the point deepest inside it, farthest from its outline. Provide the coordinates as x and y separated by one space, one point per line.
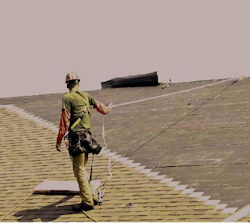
75 119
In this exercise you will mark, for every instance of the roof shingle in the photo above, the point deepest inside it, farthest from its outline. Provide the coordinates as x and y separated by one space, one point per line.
29 157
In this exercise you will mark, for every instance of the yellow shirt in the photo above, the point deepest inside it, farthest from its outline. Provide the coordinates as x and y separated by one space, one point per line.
78 103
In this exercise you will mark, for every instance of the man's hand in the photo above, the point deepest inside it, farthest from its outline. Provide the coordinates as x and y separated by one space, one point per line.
58 148
109 106
100 107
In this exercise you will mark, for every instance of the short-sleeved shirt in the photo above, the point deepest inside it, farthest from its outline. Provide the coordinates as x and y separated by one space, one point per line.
78 104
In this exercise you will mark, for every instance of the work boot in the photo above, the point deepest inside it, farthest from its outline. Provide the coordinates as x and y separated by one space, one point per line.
82 207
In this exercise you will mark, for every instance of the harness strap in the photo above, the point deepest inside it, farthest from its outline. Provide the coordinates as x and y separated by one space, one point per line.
91 169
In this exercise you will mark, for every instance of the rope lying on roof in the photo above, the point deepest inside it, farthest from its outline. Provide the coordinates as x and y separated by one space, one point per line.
138 101
155 136
183 117
11 210
234 80
174 93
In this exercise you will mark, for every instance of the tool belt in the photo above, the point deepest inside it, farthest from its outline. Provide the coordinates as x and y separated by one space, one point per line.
82 142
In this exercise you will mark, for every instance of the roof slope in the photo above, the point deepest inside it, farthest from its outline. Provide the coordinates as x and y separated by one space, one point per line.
28 157
206 148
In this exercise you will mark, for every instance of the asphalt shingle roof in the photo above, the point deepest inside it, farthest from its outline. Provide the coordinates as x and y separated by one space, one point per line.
29 157
207 149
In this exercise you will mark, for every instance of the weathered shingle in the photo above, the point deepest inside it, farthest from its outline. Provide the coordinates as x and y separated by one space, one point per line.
206 149
29 157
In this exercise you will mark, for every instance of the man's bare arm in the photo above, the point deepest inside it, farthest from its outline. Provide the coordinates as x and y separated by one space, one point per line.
103 109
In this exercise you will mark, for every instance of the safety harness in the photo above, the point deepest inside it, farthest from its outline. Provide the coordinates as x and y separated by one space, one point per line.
101 187
96 184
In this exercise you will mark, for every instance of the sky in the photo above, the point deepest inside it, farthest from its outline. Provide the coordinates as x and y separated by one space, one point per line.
185 40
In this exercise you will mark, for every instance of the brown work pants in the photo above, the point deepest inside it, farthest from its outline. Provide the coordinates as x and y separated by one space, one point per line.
86 190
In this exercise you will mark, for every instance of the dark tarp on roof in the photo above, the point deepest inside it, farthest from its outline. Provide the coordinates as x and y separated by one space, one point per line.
150 79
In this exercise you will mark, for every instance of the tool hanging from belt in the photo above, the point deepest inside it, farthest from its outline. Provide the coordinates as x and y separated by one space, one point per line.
74 125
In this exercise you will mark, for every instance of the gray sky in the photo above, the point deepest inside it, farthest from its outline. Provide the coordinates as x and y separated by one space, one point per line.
41 40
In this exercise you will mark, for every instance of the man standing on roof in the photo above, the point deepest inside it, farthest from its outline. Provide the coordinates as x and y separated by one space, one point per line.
75 119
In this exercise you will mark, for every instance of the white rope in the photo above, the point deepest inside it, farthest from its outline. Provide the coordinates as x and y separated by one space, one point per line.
27 197
152 98
106 147
170 94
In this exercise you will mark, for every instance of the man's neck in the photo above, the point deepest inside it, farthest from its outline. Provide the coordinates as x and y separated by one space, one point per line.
74 89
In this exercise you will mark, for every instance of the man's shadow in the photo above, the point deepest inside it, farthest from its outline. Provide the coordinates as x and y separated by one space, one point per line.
47 213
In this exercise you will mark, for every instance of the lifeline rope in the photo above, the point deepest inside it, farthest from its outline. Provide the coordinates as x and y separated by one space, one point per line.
84 212
27 197
170 94
182 118
106 147
134 102
166 95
